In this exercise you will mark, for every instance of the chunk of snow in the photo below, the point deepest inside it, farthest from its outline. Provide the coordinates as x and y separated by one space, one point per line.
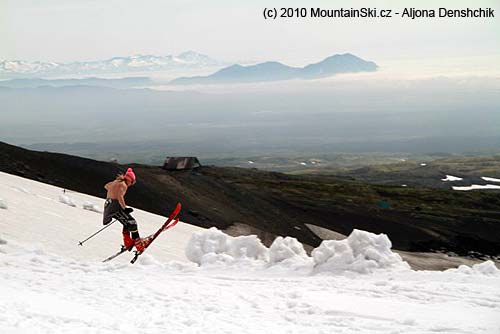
477 187
67 200
148 260
250 162
423 164
206 242
287 251
361 252
3 204
213 246
216 259
486 268
490 179
248 246
91 207
451 178
303 164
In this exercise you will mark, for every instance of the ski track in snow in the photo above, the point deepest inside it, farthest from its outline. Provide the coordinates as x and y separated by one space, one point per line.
50 285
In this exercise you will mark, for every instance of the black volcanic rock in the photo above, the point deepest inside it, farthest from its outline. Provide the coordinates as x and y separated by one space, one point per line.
274 71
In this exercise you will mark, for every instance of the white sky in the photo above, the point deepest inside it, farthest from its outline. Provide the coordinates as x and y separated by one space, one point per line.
68 30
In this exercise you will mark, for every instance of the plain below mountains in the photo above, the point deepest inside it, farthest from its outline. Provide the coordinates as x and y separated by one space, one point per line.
274 71
127 82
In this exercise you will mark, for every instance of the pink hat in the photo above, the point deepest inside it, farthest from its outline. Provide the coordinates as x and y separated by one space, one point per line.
130 175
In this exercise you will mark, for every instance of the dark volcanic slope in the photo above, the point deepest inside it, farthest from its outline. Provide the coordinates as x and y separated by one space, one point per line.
277 204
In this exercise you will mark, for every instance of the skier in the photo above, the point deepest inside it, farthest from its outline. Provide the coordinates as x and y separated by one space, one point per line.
115 207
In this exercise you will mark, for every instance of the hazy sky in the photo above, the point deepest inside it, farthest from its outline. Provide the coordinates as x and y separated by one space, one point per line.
67 30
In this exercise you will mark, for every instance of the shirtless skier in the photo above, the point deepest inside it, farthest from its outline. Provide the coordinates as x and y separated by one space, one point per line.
115 207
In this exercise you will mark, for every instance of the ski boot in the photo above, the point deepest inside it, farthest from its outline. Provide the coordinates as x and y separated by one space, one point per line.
128 243
141 243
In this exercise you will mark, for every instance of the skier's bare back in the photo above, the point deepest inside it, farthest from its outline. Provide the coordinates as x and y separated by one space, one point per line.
116 190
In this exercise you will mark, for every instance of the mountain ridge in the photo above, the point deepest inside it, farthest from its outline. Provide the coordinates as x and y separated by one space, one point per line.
10 69
275 71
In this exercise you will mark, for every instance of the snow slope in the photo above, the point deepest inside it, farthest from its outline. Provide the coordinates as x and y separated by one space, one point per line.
42 215
48 284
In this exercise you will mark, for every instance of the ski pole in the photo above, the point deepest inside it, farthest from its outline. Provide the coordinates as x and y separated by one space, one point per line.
81 242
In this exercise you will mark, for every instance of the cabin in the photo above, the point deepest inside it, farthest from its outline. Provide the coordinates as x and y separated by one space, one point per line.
181 163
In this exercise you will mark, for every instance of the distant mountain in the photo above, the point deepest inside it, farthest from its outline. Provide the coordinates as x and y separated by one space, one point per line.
345 63
273 71
139 63
114 83
269 71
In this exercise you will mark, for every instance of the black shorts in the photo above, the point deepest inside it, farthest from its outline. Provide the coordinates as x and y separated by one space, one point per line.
113 209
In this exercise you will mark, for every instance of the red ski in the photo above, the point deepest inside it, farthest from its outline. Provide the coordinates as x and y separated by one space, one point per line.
171 222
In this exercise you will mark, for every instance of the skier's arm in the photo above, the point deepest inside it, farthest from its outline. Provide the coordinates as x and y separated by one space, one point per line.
121 198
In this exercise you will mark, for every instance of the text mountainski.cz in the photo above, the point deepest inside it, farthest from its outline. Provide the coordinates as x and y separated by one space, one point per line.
411 13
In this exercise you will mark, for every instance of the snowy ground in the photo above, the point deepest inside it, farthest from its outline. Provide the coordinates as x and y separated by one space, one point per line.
55 286
490 179
477 187
42 215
